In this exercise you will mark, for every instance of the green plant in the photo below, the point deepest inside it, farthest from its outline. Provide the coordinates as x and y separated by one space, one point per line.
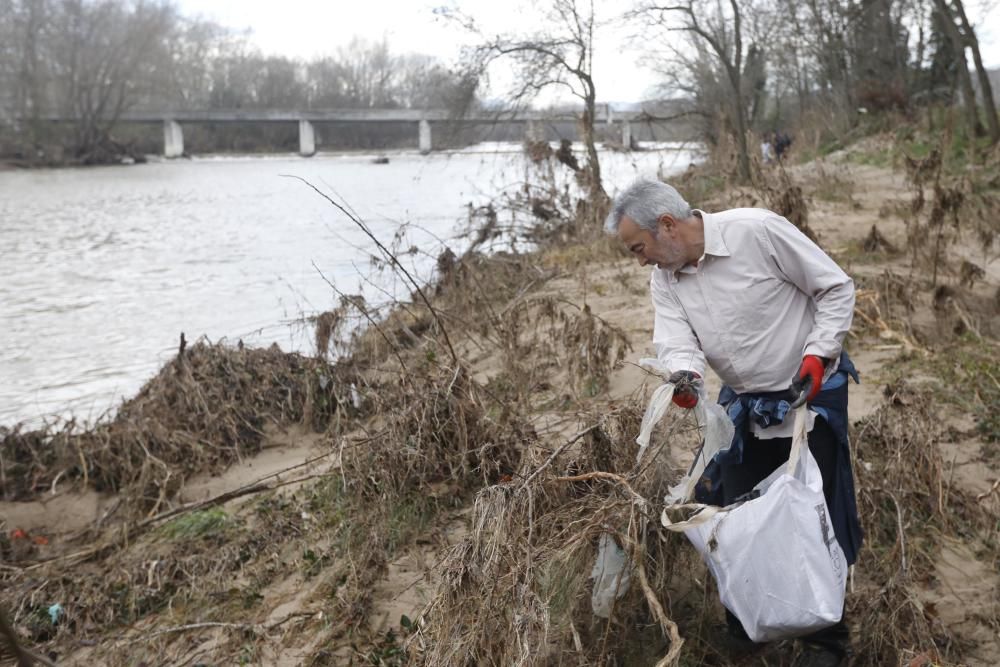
872 157
972 367
313 562
387 652
196 525
407 517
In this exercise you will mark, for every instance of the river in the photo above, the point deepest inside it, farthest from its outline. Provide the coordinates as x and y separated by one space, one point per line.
101 269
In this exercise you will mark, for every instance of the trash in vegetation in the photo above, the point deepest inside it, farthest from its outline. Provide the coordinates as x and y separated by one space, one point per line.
611 578
55 611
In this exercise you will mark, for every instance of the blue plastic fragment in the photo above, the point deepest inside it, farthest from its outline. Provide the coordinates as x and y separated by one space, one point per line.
55 611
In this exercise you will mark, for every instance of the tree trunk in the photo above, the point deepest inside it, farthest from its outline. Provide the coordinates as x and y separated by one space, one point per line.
964 80
989 104
735 76
30 102
597 194
755 74
741 124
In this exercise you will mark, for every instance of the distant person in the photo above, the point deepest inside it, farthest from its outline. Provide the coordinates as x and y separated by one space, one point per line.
782 142
766 152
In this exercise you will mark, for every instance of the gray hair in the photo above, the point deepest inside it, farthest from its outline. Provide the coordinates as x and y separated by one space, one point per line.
644 202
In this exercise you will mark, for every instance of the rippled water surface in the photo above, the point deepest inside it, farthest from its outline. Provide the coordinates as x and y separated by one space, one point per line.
101 269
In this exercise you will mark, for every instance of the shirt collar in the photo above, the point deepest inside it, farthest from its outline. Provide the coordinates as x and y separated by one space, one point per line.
715 245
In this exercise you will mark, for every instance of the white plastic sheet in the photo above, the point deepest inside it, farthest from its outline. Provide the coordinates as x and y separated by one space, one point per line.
658 404
715 425
776 560
610 574
717 430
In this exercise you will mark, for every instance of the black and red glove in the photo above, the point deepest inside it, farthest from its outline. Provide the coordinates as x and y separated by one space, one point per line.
809 379
687 386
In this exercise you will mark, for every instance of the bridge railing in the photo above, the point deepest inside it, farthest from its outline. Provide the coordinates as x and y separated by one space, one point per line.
173 134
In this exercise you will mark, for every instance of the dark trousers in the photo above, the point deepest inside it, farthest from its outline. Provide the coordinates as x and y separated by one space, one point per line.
760 459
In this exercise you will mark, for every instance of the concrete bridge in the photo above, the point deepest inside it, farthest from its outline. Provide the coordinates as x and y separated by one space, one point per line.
173 133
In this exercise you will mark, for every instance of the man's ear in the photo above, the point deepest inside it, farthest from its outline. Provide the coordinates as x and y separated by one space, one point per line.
666 222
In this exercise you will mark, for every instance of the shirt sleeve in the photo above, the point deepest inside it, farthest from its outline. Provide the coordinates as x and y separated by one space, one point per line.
676 345
806 266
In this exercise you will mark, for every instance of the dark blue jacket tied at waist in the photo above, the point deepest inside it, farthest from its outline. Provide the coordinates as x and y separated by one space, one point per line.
769 409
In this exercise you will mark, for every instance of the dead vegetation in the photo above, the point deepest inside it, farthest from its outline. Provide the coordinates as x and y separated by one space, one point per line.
960 205
431 444
416 437
411 432
771 186
205 409
523 572
884 307
909 506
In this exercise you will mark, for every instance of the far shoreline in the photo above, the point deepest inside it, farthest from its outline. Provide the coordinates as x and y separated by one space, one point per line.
8 164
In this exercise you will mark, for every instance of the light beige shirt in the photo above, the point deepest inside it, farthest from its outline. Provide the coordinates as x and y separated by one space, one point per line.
761 297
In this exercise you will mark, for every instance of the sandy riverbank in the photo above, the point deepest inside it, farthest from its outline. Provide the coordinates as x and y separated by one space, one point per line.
356 506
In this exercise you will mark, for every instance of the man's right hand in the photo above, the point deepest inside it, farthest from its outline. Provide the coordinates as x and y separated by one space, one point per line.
687 386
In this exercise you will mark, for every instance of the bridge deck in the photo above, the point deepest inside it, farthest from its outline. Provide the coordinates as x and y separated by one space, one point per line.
354 115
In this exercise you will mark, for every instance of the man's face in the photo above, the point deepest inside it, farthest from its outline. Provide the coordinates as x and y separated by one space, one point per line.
662 248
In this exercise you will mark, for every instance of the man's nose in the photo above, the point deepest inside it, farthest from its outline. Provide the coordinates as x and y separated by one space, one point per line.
642 260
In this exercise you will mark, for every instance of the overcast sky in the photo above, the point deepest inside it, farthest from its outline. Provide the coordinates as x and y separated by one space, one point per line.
307 29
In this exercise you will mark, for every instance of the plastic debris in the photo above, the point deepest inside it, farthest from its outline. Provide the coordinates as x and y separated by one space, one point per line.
611 578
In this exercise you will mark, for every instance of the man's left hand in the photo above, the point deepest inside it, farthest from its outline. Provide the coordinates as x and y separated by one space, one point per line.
809 380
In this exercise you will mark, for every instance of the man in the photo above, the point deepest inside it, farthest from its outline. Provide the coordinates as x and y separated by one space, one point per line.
750 295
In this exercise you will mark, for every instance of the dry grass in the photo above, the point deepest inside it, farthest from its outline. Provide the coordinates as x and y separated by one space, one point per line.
426 439
908 504
884 307
206 408
516 591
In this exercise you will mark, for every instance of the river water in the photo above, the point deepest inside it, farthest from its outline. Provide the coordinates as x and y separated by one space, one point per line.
101 269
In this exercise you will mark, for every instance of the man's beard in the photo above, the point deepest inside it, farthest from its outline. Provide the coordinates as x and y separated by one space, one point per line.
672 261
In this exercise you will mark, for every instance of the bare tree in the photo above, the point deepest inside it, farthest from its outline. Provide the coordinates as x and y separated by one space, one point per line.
561 56
193 48
971 41
792 59
957 43
824 35
106 56
22 76
92 60
720 27
370 72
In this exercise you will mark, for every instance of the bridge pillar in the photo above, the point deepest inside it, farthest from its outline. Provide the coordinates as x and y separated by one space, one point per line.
533 131
627 135
173 139
425 137
307 139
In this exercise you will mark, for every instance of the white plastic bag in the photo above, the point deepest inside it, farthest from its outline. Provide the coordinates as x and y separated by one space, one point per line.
658 404
610 574
714 423
776 560
717 430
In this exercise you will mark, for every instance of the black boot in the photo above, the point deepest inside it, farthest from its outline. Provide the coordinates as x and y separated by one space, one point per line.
826 648
814 655
734 641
